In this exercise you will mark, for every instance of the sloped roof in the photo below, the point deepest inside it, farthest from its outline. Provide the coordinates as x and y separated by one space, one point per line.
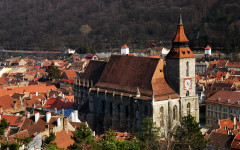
70 74
236 142
180 35
220 140
53 103
94 70
13 120
221 97
124 46
32 127
207 47
63 139
125 73
7 102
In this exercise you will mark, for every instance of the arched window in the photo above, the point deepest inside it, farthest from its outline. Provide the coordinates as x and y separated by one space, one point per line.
187 69
118 111
187 93
146 110
126 111
175 114
111 109
161 116
137 111
103 106
188 108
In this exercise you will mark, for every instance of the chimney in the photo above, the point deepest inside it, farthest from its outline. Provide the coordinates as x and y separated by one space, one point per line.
58 122
138 94
47 94
15 105
63 96
30 95
71 117
36 93
48 117
65 124
28 114
36 117
33 105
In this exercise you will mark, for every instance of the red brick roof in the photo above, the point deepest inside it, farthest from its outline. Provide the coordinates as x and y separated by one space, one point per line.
233 64
236 142
13 120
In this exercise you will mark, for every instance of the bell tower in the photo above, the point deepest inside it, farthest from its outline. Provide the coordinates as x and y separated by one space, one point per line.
180 64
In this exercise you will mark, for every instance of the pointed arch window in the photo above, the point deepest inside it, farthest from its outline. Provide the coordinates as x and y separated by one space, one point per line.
162 116
188 108
187 68
175 114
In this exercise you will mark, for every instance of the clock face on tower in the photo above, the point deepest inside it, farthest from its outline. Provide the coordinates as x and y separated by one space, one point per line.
187 83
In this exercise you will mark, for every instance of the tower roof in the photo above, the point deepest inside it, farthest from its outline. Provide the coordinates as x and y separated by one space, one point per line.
180 47
208 47
124 46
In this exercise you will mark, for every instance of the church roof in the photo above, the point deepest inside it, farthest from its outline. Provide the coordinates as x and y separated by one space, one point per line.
180 47
180 35
127 73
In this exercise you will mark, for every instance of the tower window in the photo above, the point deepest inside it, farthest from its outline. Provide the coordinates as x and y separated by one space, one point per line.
175 113
161 116
187 69
188 109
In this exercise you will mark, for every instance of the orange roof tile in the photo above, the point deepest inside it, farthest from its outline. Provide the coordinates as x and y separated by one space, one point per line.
180 35
124 46
208 47
180 52
63 139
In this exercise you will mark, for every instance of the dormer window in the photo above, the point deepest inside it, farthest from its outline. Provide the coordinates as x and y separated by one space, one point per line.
188 52
183 53
228 100
238 102
219 99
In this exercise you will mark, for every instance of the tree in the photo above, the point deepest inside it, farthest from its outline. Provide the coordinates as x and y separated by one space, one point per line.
109 142
53 72
3 125
83 138
149 135
188 135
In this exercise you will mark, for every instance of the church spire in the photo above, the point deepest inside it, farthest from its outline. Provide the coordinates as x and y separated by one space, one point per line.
180 20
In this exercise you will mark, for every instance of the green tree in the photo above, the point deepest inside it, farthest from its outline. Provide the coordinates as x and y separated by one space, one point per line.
3 125
10 146
53 72
188 135
85 48
149 135
83 138
109 142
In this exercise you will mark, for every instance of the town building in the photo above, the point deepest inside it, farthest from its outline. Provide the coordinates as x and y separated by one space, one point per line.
125 90
222 105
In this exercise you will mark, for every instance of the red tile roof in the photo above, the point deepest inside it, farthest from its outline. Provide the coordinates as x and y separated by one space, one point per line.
63 139
31 88
208 47
180 35
221 98
124 46
233 64
70 74
7 102
53 103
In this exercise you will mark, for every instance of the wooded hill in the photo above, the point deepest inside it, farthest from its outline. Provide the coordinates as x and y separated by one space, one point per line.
105 24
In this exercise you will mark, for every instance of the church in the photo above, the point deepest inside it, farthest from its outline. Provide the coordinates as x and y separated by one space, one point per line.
120 93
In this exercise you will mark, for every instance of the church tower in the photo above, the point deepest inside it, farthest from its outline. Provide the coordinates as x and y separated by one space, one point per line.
180 64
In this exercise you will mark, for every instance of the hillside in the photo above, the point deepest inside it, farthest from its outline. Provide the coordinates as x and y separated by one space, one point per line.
54 24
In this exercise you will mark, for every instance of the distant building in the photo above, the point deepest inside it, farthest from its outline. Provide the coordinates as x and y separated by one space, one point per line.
201 68
222 105
71 51
92 57
124 49
208 50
